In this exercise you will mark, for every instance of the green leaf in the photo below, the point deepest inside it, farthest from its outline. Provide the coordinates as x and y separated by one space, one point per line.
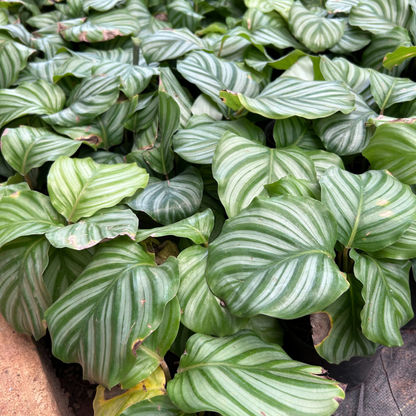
197 142
267 328
347 134
390 90
26 213
288 97
352 40
182 14
172 200
393 147
273 248
126 305
80 187
99 5
145 115
340 6
290 185
107 223
372 210
150 354
64 267
242 167
156 406
38 97
387 297
26 147
101 27
316 32
92 97
336 331
23 295
266 6
324 160
258 374
401 54
197 228
7 190
380 16
213 318
211 75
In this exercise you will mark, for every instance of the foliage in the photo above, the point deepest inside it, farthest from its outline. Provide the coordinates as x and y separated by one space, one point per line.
179 175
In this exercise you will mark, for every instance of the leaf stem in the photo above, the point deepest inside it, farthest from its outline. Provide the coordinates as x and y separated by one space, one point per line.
222 45
165 369
136 50
29 182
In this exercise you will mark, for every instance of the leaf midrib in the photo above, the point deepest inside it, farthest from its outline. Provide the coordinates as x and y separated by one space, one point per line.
357 218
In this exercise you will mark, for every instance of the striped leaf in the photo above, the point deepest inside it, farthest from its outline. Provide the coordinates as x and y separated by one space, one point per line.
170 44
352 40
23 294
324 160
197 228
346 134
358 79
126 306
273 248
336 331
267 328
388 90
38 70
387 297
340 6
30 98
50 44
251 377
267 6
80 187
13 57
160 158
26 147
172 200
7 190
314 31
295 131
92 97
64 267
153 386
106 130
105 158
156 406
372 210
107 223
145 115
242 167
213 317
211 75
182 14
99 5
288 97
401 54
378 16
134 78
393 147
150 354
383 43
197 143
101 27
29 5
289 185
26 213
76 67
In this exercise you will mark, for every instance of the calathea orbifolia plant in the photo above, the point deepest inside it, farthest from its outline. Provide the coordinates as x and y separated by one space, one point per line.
181 175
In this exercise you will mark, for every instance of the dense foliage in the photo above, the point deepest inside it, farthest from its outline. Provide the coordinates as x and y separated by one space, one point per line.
207 167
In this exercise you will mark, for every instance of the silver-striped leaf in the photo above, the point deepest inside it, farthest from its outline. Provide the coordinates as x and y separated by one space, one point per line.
25 213
276 258
324 160
372 210
386 294
172 200
316 32
242 168
201 310
182 14
80 187
211 75
289 185
108 223
251 377
352 40
23 295
99 5
336 330
197 228
340 6
26 147
288 97
126 298
38 97
197 142
89 99
267 6
393 147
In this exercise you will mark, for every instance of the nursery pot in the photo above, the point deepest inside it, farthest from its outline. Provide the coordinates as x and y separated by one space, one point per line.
298 345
